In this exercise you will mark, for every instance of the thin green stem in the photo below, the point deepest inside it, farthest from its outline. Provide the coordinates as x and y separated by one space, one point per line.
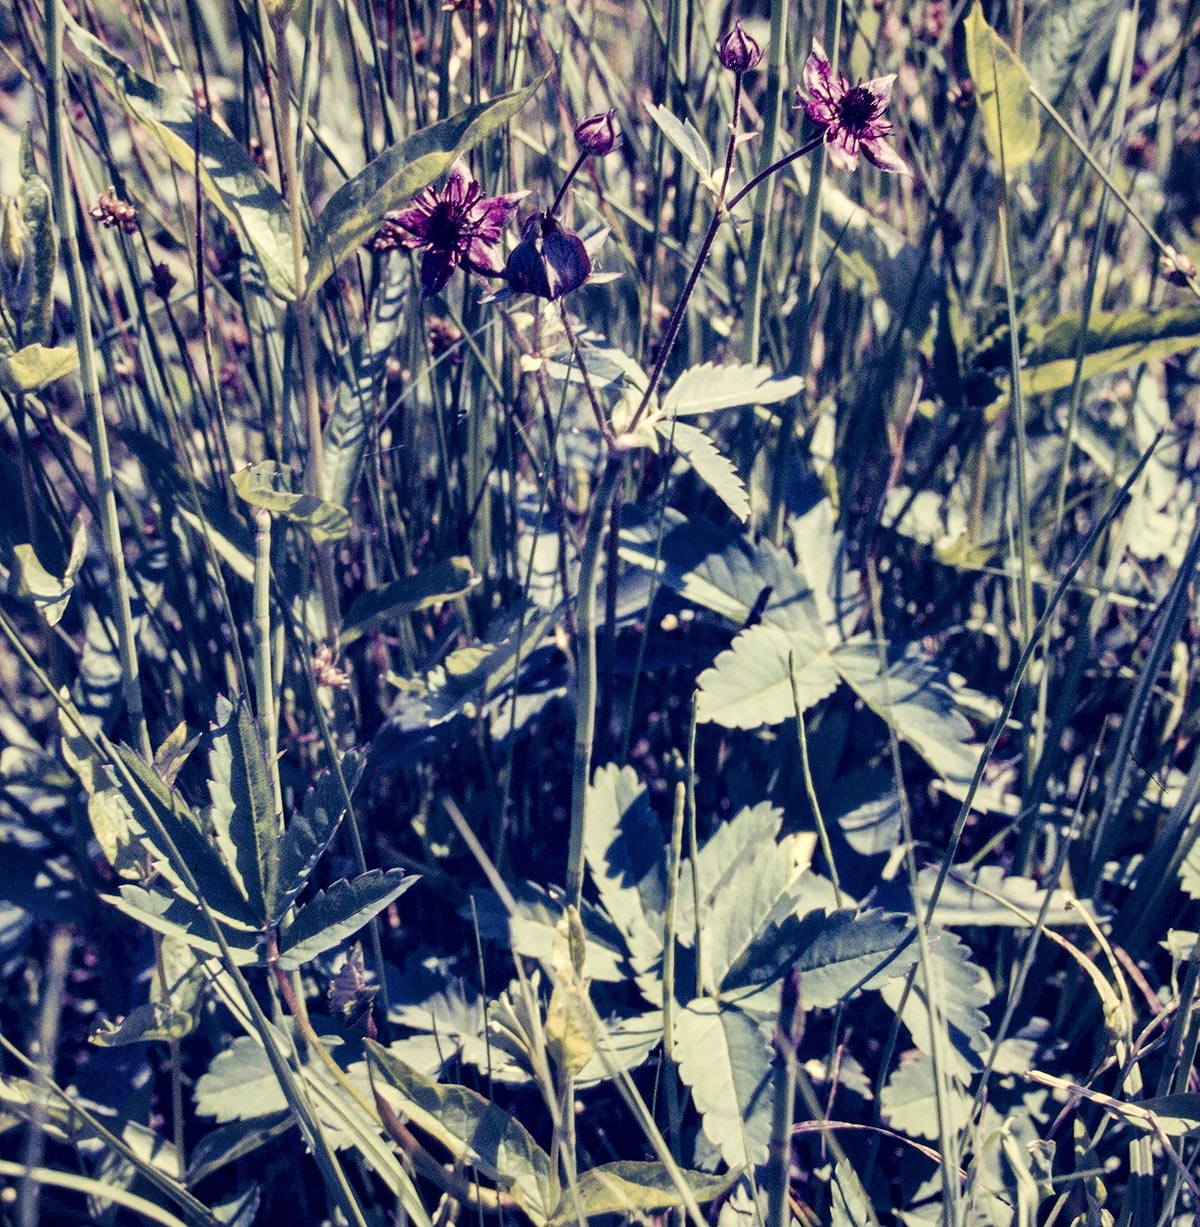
110 529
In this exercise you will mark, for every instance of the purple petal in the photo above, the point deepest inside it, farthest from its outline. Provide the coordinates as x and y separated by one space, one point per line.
881 90
457 184
492 215
820 111
818 75
436 269
881 154
567 263
843 149
483 257
415 220
525 271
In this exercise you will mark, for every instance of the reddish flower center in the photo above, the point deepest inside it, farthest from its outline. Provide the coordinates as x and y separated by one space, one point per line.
858 110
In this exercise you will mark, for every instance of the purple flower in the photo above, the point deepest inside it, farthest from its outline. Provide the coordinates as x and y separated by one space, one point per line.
597 134
549 261
737 51
455 226
851 115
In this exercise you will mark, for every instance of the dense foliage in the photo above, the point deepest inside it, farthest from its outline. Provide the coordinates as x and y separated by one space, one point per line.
599 613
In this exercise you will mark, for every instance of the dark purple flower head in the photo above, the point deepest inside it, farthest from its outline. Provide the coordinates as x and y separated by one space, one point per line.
549 261
597 134
737 51
851 115
456 226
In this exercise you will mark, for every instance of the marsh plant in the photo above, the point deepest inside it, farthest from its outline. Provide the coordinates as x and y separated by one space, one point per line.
599 615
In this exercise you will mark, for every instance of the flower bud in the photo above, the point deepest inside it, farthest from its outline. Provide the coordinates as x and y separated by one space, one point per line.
597 134
737 51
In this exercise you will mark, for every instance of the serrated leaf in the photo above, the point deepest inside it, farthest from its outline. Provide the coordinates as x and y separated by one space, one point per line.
153 1020
714 469
750 684
911 697
909 1101
473 1128
312 830
49 593
109 817
852 952
229 178
354 211
1011 119
710 386
683 135
36 367
436 584
623 845
180 919
151 800
758 895
727 572
631 1188
622 1046
268 485
334 915
961 989
723 1057
240 1084
960 904
243 808
1115 341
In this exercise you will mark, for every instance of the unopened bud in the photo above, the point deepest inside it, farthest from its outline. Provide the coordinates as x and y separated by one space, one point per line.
597 134
737 51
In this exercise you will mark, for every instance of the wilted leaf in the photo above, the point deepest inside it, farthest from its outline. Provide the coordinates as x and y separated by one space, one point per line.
331 917
473 1128
154 1020
36 366
1011 120
354 211
436 584
724 1059
268 485
630 1188
31 300
48 593
709 386
717 472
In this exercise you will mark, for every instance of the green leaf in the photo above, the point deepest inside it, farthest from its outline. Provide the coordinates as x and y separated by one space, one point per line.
911 697
311 831
48 593
750 684
1177 1115
909 1101
961 989
234 1141
683 135
1011 120
623 845
243 808
154 1020
354 211
228 177
717 472
724 1059
632 1188
474 1129
852 952
1064 41
268 485
849 1205
1115 341
152 800
330 917
709 386
727 572
240 1084
436 584
36 366
185 921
